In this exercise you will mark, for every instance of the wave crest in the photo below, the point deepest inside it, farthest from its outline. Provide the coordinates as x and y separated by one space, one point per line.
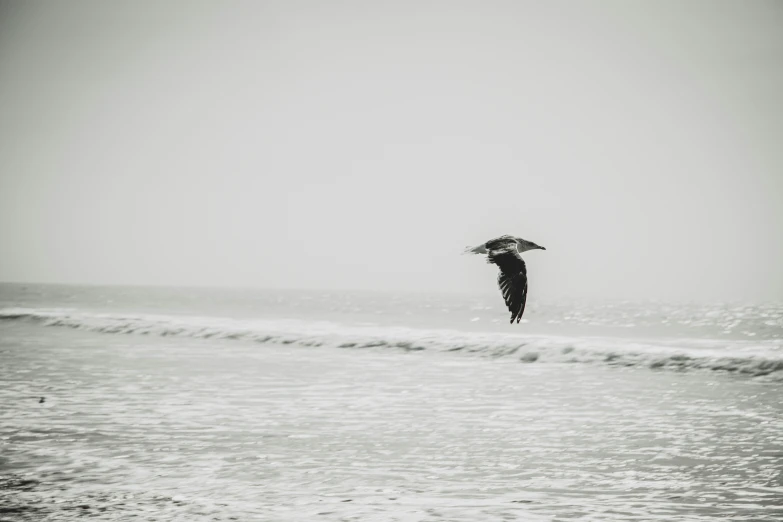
757 359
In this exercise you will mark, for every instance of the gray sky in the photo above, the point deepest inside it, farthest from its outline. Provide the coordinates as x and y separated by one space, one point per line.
365 144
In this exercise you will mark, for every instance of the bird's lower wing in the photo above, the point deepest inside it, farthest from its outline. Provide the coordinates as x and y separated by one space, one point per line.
512 281
514 289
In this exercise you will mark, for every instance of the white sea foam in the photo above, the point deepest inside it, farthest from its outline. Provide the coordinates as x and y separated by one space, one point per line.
761 358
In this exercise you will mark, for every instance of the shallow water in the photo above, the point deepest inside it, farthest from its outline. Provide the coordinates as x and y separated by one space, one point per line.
163 428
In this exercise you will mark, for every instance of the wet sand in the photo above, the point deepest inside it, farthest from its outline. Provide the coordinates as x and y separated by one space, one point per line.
186 429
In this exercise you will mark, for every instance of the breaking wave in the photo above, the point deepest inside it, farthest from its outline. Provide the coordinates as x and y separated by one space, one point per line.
763 358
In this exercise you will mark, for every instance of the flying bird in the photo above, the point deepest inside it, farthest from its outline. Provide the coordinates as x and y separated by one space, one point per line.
504 251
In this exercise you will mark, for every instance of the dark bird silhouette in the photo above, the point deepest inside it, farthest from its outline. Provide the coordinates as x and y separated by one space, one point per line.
504 251
42 400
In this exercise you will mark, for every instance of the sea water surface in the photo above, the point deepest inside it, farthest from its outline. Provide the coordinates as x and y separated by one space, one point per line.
203 404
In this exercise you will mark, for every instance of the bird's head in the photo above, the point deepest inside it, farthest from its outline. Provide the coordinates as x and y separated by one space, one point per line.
525 245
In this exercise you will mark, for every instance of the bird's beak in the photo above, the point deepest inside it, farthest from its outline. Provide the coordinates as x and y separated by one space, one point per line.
542 248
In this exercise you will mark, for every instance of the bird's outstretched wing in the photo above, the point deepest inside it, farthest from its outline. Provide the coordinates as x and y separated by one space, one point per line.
501 243
512 280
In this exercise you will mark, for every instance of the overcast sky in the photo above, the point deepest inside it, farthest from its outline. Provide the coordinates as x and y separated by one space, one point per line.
365 144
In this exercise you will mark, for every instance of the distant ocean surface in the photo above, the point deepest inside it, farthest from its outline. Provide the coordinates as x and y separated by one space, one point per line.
221 404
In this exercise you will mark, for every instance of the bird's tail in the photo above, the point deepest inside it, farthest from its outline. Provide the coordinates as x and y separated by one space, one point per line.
481 249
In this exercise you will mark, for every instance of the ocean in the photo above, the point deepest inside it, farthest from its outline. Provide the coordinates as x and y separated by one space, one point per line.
130 403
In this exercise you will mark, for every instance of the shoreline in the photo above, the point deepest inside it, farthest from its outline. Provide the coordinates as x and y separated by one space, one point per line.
234 429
